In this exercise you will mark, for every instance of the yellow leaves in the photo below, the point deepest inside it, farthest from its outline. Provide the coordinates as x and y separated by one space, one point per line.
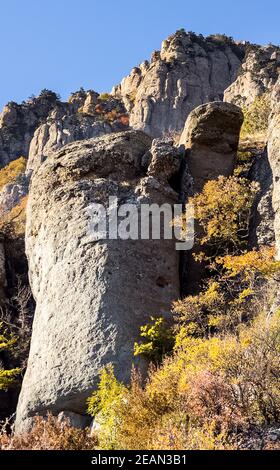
251 263
244 294
157 340
9 173
223 209
14 221
200 312
256 117
7 377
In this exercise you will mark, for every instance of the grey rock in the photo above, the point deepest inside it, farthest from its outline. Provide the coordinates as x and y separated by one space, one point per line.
67 123
211 136
92 296
74 419
257 75
189 70
18 123
273 149
3 278
12 193
262 223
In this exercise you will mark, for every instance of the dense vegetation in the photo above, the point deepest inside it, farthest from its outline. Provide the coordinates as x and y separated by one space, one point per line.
221 380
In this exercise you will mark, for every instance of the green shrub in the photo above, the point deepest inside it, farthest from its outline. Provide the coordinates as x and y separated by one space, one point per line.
103 405
158 340
104 96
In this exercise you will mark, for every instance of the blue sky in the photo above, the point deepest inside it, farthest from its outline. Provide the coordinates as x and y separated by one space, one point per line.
65 44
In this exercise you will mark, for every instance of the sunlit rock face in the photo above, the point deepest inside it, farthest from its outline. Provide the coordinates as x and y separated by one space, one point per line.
92 296
188 71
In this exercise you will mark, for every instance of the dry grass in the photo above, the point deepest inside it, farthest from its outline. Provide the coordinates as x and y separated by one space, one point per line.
49 434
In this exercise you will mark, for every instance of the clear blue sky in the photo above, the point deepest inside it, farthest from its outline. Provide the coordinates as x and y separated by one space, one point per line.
66 44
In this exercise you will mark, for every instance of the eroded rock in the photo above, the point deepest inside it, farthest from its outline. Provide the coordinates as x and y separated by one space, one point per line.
188 71
274 160
92 296
211 136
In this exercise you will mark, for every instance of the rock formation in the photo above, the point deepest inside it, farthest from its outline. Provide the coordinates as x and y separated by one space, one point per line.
262 223
189 70
274 160
210 137
91 295
84 117
18 123
258 74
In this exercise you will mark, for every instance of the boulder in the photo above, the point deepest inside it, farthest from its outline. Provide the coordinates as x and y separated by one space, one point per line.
92 295
211 136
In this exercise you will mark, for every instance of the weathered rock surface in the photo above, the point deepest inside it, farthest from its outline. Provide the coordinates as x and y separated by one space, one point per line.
211 136
188 71
273 149
44 124
84 117
18 123
262 223
92 295
12 193
3 278
257 75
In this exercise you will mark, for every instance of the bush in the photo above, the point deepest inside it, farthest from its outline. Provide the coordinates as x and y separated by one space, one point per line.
158 340
104 96
10 173
207 395
49 434
256 117
223 210
13 223
103 405
231 296
7 377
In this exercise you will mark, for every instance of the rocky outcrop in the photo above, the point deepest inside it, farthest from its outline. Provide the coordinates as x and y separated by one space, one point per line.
44 124
18 123
257 75
262 223
3 278
84 117
274 160
188 71
92 294
210 137
12 193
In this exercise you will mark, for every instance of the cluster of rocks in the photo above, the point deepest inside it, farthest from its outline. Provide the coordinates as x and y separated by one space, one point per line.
258 74
92 296
188 71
